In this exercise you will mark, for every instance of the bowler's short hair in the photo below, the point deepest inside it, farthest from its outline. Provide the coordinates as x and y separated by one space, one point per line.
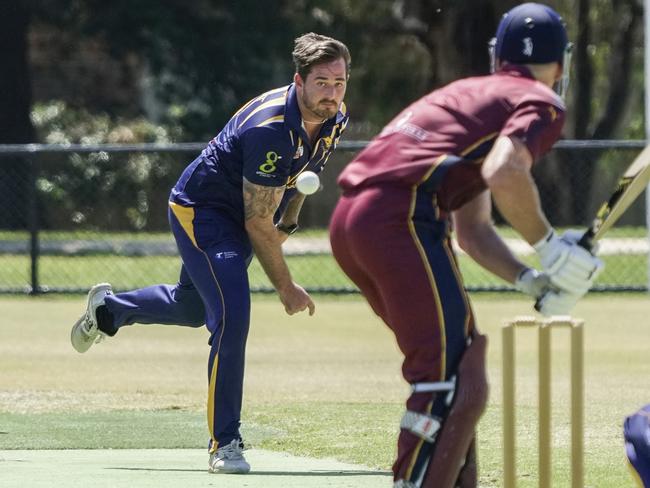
312 49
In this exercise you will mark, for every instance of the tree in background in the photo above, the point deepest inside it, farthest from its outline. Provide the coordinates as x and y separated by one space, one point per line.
607 91
197 61
206 57
15 87
15 104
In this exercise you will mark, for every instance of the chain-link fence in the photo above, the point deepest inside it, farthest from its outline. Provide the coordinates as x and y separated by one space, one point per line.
73 216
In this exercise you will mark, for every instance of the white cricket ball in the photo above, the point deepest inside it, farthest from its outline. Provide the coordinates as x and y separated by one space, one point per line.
308 182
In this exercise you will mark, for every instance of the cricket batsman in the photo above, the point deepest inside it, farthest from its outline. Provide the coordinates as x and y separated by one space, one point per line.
434 170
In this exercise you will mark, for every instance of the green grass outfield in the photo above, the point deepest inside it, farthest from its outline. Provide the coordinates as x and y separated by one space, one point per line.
315 271
326 387
125 272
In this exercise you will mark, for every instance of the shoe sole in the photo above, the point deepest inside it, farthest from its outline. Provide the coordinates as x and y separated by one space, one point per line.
227 471
82 345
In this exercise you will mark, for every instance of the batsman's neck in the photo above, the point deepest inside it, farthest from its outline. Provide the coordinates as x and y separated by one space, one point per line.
548 73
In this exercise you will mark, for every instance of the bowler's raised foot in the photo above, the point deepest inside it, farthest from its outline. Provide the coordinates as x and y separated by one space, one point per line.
85 331
229 459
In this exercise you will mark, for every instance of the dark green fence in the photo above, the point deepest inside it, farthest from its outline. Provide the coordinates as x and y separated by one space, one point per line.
72 216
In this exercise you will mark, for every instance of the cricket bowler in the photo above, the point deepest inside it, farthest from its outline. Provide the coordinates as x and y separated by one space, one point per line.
238 197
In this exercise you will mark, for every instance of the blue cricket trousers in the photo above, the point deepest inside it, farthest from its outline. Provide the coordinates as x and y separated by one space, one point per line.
213 288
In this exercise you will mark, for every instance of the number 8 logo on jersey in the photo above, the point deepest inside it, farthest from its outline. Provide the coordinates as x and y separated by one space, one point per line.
269 165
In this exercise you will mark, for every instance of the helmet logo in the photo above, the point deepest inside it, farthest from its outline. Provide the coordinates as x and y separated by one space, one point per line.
528 46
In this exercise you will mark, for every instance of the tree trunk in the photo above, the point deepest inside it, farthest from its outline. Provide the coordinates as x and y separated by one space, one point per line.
584 72
576 173
456 34
15 83
15 105
577 169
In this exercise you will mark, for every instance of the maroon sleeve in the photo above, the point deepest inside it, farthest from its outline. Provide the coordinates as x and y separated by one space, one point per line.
537 124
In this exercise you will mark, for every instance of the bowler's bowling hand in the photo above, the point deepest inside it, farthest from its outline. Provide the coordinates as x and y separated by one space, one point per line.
295 299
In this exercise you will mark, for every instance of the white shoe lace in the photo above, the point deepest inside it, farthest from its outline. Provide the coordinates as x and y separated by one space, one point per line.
233 450
87 329
87 325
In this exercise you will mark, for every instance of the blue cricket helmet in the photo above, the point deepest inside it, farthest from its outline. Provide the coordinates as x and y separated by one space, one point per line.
531 33
636 431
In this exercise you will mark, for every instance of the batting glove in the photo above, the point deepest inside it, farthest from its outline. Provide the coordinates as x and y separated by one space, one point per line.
532 282
573 236
570 267
555 302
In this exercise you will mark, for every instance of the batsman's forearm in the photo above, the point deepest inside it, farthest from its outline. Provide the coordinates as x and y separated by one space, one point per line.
519 204
488 249
267 244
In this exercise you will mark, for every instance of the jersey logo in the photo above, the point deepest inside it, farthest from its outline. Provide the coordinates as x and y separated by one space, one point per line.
299 152
528 46
226 255
404 119
327 142
269 165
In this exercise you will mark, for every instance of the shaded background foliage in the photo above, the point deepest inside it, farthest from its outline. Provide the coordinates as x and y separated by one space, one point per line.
101 190
172 70
195 61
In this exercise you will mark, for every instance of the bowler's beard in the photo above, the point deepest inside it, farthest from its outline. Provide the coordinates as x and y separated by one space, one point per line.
323 111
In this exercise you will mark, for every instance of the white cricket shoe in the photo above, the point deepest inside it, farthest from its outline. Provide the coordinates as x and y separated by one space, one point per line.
85 332
229 459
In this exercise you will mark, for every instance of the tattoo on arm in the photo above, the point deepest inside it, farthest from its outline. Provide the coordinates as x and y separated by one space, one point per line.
260 201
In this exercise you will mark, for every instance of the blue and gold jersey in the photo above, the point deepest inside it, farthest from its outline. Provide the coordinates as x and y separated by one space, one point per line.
263 142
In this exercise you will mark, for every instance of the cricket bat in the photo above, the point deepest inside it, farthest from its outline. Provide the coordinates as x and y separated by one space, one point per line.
630 186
